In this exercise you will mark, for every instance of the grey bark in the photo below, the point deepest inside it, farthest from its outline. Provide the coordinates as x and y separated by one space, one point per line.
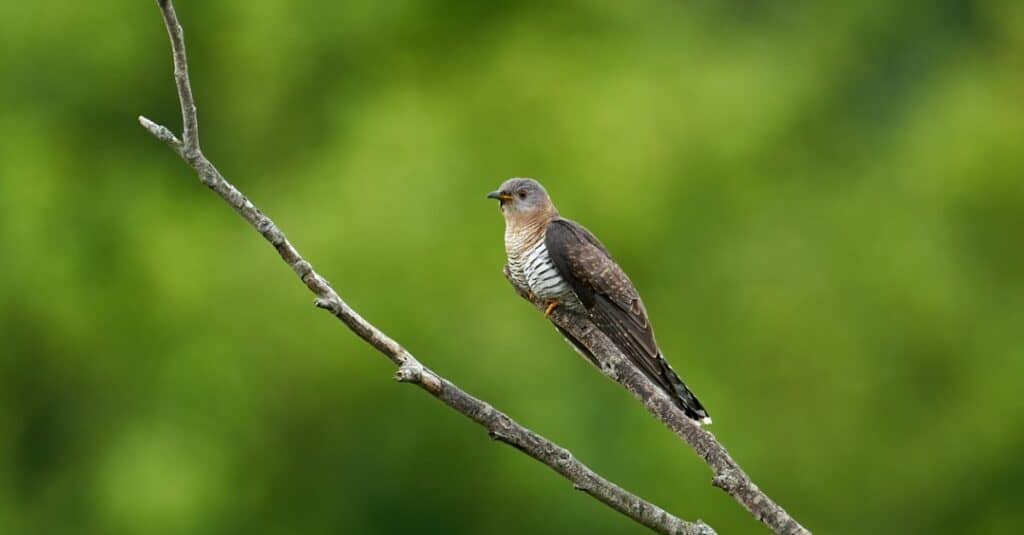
499 425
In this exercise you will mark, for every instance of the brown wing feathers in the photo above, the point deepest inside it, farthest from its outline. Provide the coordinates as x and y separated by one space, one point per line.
614 305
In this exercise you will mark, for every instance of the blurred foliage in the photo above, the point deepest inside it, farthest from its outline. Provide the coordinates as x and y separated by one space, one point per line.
821 202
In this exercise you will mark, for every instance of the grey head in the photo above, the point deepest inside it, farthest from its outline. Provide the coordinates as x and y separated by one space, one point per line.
523 198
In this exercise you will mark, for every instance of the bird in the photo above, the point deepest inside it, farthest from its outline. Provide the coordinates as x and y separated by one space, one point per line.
562 264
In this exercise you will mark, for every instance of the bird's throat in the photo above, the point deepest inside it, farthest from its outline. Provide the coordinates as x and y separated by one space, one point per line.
521 234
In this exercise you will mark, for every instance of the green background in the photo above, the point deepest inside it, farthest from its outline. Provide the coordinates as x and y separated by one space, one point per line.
821 203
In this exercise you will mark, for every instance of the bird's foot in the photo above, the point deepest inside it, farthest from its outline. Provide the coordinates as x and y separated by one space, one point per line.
552 305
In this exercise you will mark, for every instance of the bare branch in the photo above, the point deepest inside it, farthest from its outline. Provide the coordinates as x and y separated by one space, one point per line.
162 133
190 123
728 475
499 425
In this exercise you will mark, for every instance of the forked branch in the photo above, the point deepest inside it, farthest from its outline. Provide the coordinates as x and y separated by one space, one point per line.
410 370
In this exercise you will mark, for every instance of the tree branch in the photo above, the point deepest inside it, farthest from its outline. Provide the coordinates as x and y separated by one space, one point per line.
729 477
499 425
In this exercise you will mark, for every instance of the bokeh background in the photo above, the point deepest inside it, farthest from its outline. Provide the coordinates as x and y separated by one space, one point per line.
822 204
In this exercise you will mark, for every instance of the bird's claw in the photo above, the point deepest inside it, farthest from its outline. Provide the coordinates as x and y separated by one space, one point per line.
552 305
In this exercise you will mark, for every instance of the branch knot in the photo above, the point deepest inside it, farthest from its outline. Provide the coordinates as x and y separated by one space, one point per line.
727 480
410 372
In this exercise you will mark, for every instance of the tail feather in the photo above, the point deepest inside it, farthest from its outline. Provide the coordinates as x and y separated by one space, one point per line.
685 398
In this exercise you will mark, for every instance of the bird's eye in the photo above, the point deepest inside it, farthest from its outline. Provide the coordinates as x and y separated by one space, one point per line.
522 194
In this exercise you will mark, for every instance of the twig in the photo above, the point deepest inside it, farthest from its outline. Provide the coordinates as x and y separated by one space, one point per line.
410 370
729 477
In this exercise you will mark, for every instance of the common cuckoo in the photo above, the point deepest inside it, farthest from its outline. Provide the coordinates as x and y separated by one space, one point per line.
563 264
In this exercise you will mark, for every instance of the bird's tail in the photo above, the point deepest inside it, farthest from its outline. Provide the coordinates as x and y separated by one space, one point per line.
684 397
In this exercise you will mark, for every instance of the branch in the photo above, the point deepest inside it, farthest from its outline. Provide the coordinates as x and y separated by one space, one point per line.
600 350
499 425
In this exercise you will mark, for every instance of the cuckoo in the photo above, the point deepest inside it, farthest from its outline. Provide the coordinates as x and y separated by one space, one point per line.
559 262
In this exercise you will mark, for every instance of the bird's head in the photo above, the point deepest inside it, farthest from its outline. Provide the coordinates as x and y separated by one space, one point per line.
523 199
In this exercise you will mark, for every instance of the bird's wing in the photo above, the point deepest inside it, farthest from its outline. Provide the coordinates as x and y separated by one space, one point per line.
615 307
606 291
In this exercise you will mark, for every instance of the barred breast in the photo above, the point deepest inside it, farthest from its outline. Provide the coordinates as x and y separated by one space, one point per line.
532 267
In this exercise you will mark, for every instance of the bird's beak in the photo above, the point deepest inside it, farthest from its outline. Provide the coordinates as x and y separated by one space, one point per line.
499 195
